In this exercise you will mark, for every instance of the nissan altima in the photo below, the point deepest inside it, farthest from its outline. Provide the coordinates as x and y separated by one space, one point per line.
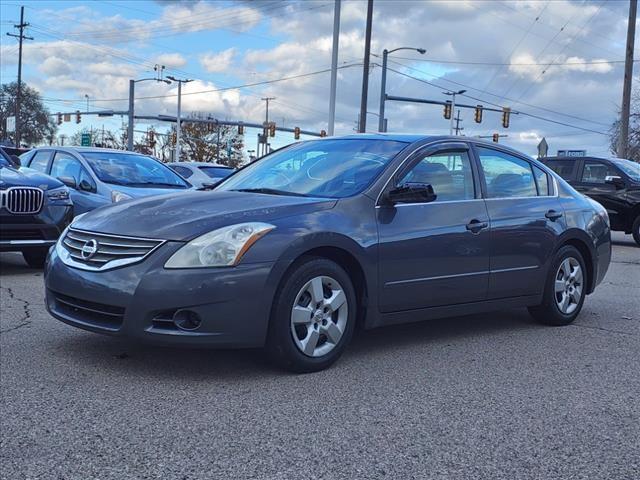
296 250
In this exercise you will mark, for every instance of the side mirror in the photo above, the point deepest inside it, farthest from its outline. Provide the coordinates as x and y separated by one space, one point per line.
16 161
411 193
614 180
69 182
84 185
209 185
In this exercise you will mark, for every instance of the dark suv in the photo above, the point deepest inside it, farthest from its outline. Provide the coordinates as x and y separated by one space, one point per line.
613 182
34 210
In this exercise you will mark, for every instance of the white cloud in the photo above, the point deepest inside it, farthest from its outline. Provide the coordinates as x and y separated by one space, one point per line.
217 62
171 60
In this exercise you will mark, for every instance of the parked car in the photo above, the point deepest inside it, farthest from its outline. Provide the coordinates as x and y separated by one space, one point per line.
101 176
294 250
613 182
201 174
34 210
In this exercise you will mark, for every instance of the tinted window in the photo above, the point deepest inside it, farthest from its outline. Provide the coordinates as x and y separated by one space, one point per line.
184 171
4 159
40 161
506 176
627 166
596 172
448 173
217 172
564 168
542 181
65 165
132 169
333 168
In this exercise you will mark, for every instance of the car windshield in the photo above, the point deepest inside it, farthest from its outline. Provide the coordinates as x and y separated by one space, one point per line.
630 168
132 170
318 168
217 172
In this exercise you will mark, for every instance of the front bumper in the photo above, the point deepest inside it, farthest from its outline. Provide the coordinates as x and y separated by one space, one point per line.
139 301
27 232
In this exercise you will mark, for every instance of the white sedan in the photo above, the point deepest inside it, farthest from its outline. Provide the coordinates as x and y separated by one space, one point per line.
201 174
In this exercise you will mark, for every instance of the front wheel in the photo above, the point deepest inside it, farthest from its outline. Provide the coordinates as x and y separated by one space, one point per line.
635 230
565 289
313 316
35 258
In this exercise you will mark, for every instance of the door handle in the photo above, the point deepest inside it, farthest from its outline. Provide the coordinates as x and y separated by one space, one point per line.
475 225
553 215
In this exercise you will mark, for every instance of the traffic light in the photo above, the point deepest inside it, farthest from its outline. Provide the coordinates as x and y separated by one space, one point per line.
447 110
78 116
174 138
296 133
59 118
240 129
478 115
496 137
150 138
323 133
506 113
209 127
272 129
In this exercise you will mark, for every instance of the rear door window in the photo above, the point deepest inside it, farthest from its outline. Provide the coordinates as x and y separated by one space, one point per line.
542 181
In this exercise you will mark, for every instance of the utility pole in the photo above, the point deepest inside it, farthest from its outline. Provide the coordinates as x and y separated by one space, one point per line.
20 36
178 119
267 99
266 125
132 88
362 125
623 140
458 128
453 106
334 67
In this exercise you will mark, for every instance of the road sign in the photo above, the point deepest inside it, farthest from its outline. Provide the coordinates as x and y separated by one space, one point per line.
67 117
11 124
543 148
572 153
85 140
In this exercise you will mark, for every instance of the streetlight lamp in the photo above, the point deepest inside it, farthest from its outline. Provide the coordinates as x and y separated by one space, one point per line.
87 97
382 127
180 82
132 86
453 105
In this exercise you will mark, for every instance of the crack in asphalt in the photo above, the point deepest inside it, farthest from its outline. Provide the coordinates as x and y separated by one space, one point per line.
604 329
26 308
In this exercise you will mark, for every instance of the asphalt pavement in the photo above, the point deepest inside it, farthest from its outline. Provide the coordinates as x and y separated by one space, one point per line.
486 396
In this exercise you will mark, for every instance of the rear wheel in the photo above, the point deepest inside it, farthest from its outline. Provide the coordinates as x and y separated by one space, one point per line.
313 317
635 230
565 289
35 258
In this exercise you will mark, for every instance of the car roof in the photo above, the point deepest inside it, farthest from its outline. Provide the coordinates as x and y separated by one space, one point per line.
200 164
77 149
588 157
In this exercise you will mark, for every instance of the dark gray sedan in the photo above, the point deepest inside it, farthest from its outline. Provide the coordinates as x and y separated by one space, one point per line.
296 249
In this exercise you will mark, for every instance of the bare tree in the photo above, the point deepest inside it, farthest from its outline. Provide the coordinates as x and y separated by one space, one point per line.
634 130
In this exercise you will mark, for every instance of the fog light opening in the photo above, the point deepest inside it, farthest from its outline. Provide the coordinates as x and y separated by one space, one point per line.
187 320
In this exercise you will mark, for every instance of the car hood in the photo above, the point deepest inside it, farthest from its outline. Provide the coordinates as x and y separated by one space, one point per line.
139 192
184 216
26 177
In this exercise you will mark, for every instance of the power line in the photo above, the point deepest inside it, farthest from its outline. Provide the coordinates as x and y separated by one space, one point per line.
512 64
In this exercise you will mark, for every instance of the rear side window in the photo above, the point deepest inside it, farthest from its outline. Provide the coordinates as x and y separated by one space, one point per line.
40 161
183 171
564 168
596 172
506 176
542 181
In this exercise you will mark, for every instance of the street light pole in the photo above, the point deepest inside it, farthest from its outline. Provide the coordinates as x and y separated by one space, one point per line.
334 67
382 125
362 124
130 112
178 116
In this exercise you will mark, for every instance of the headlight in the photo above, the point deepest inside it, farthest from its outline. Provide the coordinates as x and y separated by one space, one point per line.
58 194
220 248
117 196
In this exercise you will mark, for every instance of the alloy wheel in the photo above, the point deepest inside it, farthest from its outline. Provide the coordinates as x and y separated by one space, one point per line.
319 316
568 285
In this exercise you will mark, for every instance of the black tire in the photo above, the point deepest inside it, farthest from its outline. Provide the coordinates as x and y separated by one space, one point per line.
635 230
548 312
35 258
281 346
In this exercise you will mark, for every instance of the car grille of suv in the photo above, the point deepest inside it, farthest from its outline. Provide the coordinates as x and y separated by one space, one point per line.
22 200
100 251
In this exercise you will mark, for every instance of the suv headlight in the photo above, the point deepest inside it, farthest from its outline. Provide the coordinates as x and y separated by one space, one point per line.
223 247
117 196
58 194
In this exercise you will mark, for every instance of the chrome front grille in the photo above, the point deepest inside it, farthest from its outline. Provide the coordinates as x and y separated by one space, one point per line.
100 251
22 200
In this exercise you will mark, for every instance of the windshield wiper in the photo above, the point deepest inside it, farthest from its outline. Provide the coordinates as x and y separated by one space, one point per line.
270 191
159 184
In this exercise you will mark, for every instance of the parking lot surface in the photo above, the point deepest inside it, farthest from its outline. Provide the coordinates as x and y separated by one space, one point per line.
484 396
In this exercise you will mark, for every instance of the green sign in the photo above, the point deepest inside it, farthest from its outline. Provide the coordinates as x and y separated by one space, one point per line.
86 140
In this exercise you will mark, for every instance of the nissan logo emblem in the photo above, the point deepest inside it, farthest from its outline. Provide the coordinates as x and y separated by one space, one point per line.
89 249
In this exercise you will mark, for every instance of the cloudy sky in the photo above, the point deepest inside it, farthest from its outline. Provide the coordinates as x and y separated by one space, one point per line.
558 62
